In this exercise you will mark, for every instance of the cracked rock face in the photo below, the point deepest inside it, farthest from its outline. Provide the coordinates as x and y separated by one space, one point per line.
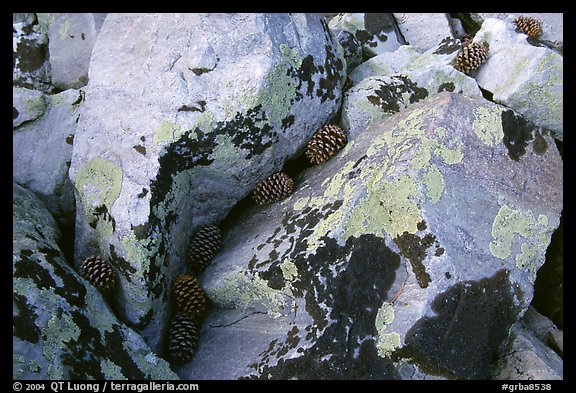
62 328
184 115
407 255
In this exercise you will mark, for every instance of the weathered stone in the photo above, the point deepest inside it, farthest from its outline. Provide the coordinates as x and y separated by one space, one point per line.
70 41
525 78
185 114
27 105
377 32
42 147
423 30
62 326
30 66
388 83
526 355
411 252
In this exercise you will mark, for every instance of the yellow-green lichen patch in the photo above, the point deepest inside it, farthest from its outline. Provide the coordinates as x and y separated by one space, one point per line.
509 223
387 341
167 131
59 330
99 183
111 370
289 270
488 125
239 289
279 86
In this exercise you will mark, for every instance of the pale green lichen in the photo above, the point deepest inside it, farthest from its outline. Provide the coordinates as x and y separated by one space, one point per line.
289 270
99 183
387 341
111 370
240 289
488 125
59 330
279 87
510 224
167 131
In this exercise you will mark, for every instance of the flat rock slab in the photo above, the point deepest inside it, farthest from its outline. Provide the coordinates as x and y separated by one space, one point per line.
411 252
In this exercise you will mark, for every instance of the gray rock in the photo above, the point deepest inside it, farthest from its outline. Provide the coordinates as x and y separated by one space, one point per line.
62 326
30 65
185 114
42 147
552 23
376 32
27 105
526 78
420 240
423 30
71 38
526 355
390 82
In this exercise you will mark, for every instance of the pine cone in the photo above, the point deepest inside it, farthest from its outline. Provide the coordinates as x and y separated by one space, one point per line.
471 57
189 296
182 338
99 273
529 26
276 187
204 245
325 143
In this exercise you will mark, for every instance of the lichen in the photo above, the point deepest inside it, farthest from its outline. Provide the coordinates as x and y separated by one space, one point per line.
99 183
535 233
167 131
239 289
488 125
110 370
387 341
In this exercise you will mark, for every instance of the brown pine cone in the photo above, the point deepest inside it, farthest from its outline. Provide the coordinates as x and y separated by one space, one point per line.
182 338
274 188
530 26
99 273
471 57
204 245
189 296
326 142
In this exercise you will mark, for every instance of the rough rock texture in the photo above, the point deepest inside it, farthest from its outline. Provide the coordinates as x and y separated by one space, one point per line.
526 355
410 252
526 78
30 66
42 141
423 30
389 83
181 122
376 32
70 41
62 327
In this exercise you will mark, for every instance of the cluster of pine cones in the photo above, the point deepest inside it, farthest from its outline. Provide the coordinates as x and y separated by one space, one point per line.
325 143
189 297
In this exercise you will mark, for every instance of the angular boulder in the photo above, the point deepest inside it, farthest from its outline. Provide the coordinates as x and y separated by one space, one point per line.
389 82
62 326
409 253
423 30
185 114
42 140
526 78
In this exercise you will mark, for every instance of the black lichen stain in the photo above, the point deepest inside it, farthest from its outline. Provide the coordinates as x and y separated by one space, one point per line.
389 96
414 248
24 322
70 139
472 320
540 145
143 193
447 46
448 86
517 133
101 213
140 149
83 356
31 54
123 266
344 350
